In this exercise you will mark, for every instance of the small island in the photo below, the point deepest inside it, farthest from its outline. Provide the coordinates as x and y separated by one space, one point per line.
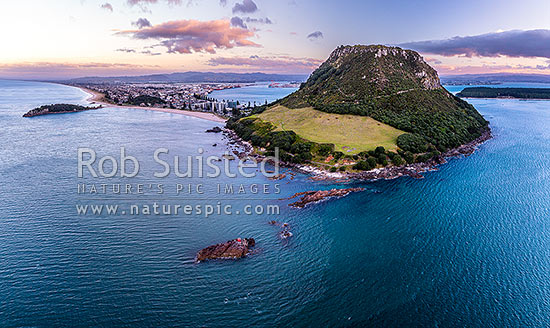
57 109
515 93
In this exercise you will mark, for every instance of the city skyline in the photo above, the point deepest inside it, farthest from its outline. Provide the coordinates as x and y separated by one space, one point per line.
65 39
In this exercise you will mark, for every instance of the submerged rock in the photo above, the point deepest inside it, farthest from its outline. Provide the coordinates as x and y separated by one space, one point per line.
232 249
316 196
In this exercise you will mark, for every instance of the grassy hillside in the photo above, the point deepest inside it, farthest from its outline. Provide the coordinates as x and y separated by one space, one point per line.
384 103
393 86
349 133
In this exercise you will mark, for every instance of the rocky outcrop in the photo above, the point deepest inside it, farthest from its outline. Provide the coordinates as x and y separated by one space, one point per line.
232 249
319 195
215 129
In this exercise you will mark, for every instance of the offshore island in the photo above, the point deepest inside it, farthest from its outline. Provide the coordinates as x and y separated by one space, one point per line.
57 109
367 112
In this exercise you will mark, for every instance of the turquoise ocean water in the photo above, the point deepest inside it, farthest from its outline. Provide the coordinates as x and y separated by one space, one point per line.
469 245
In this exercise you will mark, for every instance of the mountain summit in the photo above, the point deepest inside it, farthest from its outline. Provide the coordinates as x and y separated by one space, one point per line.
396 87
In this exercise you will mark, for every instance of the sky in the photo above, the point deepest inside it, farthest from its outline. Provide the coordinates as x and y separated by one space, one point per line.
56 39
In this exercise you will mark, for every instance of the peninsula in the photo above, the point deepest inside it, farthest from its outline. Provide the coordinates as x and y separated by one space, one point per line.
366 108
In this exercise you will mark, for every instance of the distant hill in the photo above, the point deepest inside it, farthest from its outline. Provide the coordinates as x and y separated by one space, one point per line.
411 112
194 77
519 93
488 79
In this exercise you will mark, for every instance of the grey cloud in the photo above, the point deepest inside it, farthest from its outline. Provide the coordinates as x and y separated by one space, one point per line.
246 7
141 23
515 43
258 20
150 53
238 22
126 50
315 35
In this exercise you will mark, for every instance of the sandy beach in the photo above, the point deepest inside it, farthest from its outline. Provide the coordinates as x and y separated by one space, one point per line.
98 98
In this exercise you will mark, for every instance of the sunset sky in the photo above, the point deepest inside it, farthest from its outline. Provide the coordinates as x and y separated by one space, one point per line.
45 39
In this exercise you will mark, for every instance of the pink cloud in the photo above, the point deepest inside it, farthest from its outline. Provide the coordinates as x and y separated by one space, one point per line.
49 70
107 6
187 36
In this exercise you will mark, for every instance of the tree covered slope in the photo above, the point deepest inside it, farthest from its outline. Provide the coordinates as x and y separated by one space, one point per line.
396 87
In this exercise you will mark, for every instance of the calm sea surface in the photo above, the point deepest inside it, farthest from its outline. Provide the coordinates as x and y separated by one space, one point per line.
259 93
467 246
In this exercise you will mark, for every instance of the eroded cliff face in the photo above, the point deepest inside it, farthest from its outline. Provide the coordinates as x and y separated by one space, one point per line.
380 60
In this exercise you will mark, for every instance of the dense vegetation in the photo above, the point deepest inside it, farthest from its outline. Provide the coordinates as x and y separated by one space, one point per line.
56 108
521 93
389 84
61 108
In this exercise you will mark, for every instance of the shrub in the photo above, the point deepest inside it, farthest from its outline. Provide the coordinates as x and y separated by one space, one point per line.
325 149
338 155
412 142
300 147
397 160
408 157
372 162
362 166
380 150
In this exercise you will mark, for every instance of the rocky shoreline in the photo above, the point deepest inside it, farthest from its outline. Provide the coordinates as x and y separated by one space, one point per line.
414 170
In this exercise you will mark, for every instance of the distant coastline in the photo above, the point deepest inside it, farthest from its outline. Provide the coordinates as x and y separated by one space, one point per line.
506 93
99 98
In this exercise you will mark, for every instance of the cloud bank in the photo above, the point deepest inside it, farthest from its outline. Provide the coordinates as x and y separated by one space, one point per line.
515 43
188 36
50 70
283 64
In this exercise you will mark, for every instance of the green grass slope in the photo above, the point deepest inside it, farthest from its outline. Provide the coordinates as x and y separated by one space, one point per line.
349 133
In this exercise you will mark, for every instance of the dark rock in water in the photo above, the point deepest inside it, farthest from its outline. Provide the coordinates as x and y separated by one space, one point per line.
215 129
232 249
315 196
285 234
